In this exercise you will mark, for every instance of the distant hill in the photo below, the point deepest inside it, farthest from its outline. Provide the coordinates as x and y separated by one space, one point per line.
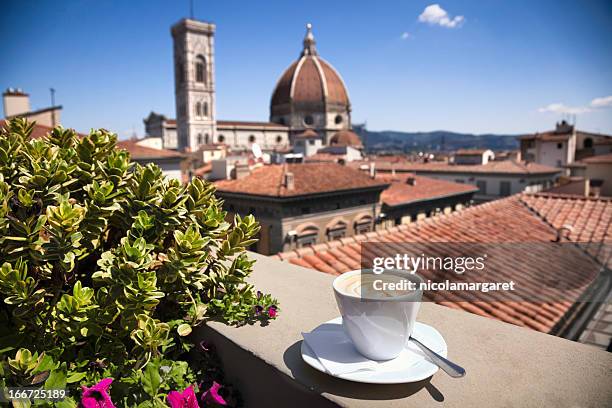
439 140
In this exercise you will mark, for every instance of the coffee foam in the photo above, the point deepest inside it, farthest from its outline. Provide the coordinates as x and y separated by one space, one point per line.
362 285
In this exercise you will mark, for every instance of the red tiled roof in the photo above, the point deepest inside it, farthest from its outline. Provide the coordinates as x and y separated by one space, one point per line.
311 79
345 138
323 157
519 218
308 134
138 152
492 167
601 159
39 131
201 171
309 178
402 193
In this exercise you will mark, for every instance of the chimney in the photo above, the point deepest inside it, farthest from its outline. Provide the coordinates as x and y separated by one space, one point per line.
241 170
289 181
372 170
411 181
16 102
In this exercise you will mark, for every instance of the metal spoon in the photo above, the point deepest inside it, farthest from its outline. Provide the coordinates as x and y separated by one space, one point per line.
447 366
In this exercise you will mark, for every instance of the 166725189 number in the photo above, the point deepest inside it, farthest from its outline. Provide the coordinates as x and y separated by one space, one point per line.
9 394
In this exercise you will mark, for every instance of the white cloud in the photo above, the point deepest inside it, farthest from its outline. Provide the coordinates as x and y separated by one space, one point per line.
602 102
436 15
561 108
597 103
406 36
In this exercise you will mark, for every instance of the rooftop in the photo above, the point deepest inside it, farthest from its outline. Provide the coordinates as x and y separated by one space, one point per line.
38 131
309 178
138 152
492 167
401 192
519 218
601 159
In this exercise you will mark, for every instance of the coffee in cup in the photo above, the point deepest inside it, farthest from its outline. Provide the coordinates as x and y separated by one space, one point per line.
378 311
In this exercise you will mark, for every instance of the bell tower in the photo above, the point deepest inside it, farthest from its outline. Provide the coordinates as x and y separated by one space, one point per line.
194 83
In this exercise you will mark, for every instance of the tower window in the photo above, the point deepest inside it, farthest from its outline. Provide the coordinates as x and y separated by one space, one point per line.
308 120
279 139
200 68
205 109
206 138
198 109
251 139
338 119
199 138
221 138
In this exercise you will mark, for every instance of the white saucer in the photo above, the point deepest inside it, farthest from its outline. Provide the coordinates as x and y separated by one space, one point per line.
410 366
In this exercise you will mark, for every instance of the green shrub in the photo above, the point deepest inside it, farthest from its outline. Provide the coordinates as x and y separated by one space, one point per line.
106 266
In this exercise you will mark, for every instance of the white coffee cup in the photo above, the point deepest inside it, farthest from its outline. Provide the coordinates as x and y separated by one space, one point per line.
379 327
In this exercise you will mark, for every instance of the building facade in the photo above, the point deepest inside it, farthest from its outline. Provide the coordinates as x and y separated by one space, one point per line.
496 179
562 146
299 205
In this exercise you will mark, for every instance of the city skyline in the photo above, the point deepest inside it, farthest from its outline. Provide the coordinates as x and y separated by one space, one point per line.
486 68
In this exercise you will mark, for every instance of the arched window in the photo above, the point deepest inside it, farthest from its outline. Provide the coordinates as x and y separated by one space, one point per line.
306 235
252 139
221 138
206 138
199 138
205 109
279 139
198 109
200 69
363 224
336 229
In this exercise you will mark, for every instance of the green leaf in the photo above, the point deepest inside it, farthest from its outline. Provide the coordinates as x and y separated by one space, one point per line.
151 380
57 378
184 329
75 377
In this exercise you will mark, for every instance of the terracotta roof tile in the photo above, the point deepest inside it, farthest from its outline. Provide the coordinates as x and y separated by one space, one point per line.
139 152
601 159
400 192
518 218
39 131
309 178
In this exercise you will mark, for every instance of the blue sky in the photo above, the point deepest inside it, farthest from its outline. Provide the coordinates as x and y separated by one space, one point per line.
489 66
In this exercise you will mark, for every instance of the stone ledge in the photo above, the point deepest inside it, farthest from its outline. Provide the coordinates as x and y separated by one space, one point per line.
506 365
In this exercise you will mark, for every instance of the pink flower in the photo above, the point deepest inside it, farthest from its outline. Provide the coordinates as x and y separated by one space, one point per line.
97 396
185 399
272 311
212 395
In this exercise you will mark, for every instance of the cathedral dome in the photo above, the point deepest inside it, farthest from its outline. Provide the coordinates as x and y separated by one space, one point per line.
346 138
309 84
